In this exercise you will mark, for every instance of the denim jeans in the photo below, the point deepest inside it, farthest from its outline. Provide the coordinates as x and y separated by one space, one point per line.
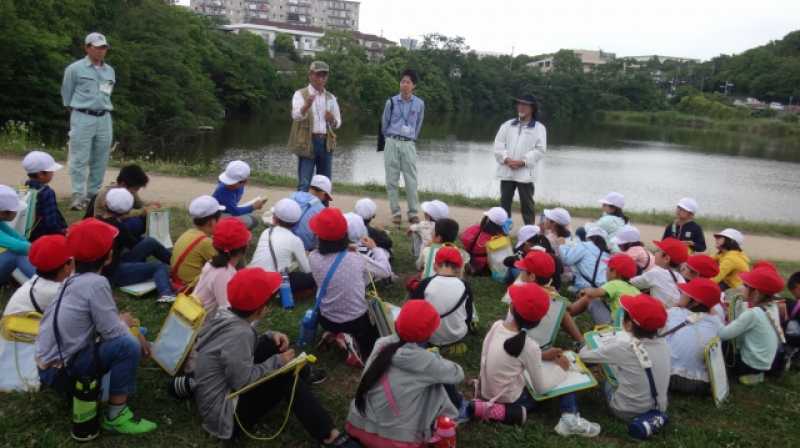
147 247
9 261
568 403
134 269
119 356
322 161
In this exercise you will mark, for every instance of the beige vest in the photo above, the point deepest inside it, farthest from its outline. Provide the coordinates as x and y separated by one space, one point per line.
301 133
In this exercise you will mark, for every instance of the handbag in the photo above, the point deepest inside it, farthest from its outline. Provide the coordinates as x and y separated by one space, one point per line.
381 136
177 335
308 324
645 425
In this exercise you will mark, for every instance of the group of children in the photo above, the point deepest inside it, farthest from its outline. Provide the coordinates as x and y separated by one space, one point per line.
669 302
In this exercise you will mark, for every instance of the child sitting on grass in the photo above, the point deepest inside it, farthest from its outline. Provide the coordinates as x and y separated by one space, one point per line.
621 268
613 218
41 168
555 226
703 266
422 232
508 353
690 327
684 228
524 244
366 208
52 258
629 241
587 259
644 317
132 178
445 233
363 244
662 280
13 246
403 390
230 240
194 248
232 355
452 298
755 331
475 238
792 325
230 190
731 258
311 202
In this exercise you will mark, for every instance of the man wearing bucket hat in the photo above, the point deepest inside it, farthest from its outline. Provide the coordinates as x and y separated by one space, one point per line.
86 92
315 115
520 143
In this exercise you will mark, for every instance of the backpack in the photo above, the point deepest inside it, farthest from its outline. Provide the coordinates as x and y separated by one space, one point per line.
381 137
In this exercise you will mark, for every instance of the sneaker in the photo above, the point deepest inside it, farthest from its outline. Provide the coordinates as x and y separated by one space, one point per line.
353 358
127 423
166 299
751 380
397 220
511 414
575 425
181 387
316 375
78 203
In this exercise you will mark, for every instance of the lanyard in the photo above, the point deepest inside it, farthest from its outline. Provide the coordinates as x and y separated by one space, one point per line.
404 116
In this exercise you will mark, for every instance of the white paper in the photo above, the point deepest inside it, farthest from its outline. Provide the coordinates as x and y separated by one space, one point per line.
139 289
545 333
158 227
717 372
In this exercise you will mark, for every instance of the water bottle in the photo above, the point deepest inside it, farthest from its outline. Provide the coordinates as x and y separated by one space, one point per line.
287 299
444 435
308 328
85 419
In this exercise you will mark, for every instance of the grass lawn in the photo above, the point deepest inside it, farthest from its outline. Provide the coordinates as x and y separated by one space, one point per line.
760 416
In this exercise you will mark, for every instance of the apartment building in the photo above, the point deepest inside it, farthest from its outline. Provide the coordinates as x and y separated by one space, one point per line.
328 14
589 58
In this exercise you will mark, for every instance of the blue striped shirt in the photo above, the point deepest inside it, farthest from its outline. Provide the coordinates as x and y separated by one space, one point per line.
405 119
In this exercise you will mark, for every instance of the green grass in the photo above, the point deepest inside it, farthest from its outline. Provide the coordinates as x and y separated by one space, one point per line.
761 416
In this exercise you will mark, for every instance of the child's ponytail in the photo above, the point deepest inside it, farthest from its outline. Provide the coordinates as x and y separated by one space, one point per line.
373 374
515 344
616 211
222 258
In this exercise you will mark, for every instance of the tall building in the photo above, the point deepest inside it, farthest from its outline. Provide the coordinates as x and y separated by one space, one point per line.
589 59
329 14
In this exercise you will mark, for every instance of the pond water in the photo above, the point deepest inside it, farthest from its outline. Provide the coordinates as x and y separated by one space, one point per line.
729 174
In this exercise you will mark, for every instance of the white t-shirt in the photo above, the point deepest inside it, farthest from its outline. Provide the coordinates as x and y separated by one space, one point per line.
662 283
688 344
288 248
44 292
444 293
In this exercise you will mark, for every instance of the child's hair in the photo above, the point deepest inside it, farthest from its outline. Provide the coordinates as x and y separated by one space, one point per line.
639 332
697 307
793 281
200 222
625 246
729 244
374 372
242 314
133 176
85 267
543 281
333 247
600 242
281 223
221 259
449 265
491 228
542 241
50 275
616 211
446 229
515 344
33 175
561 231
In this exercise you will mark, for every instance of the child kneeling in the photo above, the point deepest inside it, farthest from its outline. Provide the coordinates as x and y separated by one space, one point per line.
231 355
508 353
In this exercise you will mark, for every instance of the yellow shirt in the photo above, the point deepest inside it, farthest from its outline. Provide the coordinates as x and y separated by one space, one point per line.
731 264
189 270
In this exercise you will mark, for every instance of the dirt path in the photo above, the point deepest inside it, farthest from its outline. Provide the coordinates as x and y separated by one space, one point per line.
178 191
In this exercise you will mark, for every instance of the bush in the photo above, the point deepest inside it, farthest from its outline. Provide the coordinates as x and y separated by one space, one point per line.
703 106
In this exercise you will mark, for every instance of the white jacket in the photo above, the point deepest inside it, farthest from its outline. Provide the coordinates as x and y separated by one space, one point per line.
519 143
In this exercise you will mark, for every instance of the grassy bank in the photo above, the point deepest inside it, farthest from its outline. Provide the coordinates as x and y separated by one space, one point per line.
754 417
16 141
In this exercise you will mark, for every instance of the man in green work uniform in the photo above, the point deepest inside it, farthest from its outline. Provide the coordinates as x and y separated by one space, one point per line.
86 91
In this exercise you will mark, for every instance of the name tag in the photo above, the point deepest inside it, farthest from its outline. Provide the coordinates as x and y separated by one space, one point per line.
406 130
106 87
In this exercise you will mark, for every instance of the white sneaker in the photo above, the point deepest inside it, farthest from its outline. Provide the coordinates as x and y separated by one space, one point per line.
166 299
78 203
575 425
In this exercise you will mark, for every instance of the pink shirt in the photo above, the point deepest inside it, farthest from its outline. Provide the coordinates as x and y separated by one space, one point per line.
643 258
212 288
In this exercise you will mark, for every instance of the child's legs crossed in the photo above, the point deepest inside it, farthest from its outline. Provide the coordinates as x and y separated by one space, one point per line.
361 328
144 249
132 273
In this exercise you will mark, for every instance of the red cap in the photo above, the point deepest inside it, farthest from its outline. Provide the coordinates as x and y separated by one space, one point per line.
677 251
624 265
448 254
645 311
704 265
329 224
702 290
49 253
764 280
91 239
764 264
418 320
538 263
230 234
251 288
530 300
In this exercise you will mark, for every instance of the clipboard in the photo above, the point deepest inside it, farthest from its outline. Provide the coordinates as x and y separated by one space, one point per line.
598 338
139 289
23 221
296 364
717 373
158 227
546 332
579 377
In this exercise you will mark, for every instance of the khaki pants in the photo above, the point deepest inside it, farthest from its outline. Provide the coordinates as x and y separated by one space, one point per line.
400 157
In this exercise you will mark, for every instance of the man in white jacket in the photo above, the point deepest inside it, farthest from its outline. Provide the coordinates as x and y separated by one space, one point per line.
519 145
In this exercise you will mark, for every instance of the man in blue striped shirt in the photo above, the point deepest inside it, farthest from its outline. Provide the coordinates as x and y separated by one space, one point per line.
401 124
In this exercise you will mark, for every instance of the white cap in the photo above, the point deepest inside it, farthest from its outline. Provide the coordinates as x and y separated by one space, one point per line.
36 161
287 210
321 182
732 234
366 208
235 172
119 200
527 232
558 215
688 204
204 206
594 230
615 199
436 209
96 40
356 229
9 200
496 215
627 234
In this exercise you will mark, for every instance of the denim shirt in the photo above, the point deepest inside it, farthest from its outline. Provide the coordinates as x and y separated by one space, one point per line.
405 120
87 86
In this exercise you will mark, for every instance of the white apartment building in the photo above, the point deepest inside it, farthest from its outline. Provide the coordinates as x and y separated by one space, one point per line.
589 58
332 14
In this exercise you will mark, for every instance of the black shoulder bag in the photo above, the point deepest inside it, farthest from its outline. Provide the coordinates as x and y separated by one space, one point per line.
381 137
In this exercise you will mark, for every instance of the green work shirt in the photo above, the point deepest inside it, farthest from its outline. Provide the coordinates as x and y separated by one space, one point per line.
615 289
87 86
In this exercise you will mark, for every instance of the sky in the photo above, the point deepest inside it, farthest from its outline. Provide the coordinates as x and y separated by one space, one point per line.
698 29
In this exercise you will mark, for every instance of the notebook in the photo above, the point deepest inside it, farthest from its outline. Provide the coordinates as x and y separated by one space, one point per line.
298 362
546 332
717 374
158 227
578 378
139 289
